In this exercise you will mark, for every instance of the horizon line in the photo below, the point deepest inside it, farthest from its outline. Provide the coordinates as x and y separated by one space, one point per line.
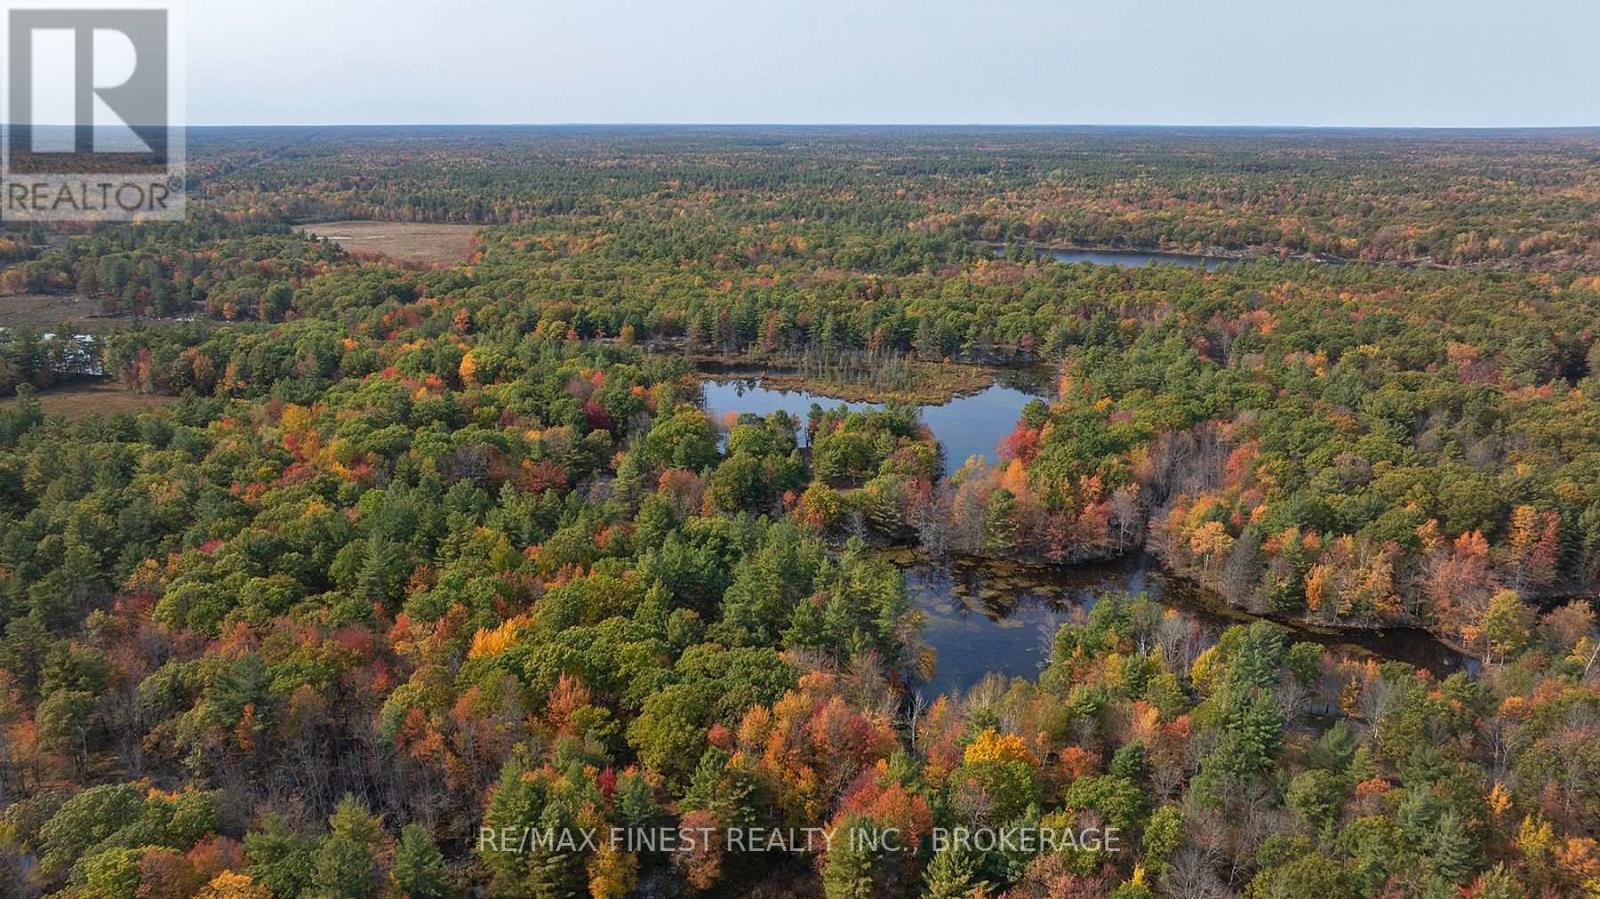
864 124
1213 126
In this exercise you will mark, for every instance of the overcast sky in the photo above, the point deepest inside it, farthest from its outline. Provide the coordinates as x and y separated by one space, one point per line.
1263 62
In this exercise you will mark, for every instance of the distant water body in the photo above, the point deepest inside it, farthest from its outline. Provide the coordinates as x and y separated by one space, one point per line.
965 426
1134 258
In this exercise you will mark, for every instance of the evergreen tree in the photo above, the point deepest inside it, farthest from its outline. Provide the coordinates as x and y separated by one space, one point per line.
553 871
419 870
1454 852
953 874
848 873
280 859
346 861
1000 527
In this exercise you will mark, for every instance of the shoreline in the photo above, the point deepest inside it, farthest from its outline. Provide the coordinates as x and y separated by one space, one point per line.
1189 594
969 379
1410 644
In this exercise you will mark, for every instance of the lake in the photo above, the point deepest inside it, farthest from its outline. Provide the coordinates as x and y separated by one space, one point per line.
1134 258
965 426
982 617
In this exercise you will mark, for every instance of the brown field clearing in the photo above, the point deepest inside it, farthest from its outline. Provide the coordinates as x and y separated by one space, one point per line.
86 398
406 241
46 313
40 312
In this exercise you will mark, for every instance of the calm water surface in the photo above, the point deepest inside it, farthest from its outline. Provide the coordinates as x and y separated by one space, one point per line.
1135 258
965 426
985 617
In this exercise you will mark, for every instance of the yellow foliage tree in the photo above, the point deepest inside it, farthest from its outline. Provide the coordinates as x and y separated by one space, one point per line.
1210 541
492 642
1206 671
233 885
612 873
992 746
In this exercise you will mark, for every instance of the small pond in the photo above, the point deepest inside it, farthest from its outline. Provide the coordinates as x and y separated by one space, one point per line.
965 426
1135 258
983 617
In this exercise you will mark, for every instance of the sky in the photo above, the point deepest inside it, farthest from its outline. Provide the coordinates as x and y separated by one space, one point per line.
1378 63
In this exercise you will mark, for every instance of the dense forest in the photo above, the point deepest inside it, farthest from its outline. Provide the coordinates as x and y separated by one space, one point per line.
415 554
1491 198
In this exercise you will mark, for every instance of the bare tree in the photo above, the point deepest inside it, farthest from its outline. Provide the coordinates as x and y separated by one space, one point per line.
931 517
915 709
1193 875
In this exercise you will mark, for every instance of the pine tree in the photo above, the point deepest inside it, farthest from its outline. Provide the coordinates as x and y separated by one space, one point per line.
1000 528
382 570
635 801
346 863
703 792
552 870
281 860
1496 883
953 874
927 341
848 874
807 629
419 869
1453 848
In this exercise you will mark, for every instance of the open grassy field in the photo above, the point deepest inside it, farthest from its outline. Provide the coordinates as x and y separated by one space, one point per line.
39 312
406 241
86 398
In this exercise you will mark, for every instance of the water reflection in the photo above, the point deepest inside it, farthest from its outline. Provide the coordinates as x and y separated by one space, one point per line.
983 617
996 617
965 426
1135 258
1123 258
